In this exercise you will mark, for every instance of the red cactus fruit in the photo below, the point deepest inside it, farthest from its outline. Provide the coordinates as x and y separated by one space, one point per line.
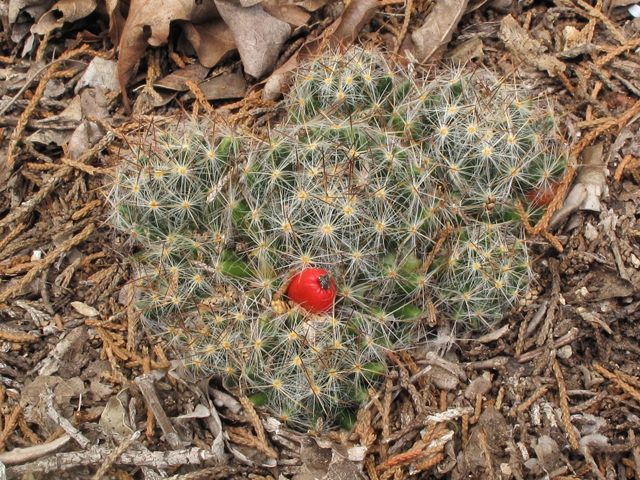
314 289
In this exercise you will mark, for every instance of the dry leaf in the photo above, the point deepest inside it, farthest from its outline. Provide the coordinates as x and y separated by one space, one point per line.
469 50
212 41
526 48
148 23
437 28
273 86
100 73
574 199
357 14
84 309
87 134
592 176
47 136
548 453
114 415
574 38
116 20
342 31
313 5
291 14
258 35
70 116
228 85
35 8
176 81
63 11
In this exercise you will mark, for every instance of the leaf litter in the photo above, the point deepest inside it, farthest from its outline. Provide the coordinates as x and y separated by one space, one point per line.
554 390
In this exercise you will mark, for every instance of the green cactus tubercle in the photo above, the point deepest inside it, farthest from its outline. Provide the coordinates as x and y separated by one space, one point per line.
366 171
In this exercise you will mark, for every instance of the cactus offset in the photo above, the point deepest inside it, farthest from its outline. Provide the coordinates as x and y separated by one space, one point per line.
367 171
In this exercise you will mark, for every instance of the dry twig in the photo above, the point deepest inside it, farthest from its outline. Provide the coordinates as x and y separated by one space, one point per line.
405 26
97 455
621 383
593 12
145 384
11 421
18 456
66 425
564 407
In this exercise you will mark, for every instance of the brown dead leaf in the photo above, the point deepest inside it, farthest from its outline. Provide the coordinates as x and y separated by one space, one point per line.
467 51
176 81
228 85
116 20
258 35
148 23
437 28
100 73
212 41
291 14
357 14
273 86
114 414
342 31
35 8
313 5
84 309
592 176
63 11
526 48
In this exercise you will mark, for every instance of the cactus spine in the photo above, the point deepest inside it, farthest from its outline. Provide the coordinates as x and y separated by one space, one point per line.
369 167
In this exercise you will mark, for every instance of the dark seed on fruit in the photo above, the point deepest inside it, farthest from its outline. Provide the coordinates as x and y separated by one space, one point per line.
325 281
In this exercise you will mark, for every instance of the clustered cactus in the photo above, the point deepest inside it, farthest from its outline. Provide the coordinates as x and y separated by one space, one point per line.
403 189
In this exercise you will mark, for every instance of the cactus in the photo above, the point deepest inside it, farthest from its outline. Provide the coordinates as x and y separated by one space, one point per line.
370 167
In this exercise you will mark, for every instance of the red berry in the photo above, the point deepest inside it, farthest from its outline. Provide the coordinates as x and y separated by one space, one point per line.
543 196
314 289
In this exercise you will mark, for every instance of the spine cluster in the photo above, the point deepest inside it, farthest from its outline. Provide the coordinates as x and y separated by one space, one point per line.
402 189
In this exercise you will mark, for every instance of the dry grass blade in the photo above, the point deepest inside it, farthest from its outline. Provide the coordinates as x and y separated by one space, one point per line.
524 406
12 235
618 51
50 185
10 424
488 458
113 456
621 383
52 72
47 262
602 17
262 445
17 337
564 407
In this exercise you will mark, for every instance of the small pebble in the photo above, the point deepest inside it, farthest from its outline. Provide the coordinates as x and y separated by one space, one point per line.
565 352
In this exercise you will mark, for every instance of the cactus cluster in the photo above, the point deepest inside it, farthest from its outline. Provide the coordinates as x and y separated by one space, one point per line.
403 188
